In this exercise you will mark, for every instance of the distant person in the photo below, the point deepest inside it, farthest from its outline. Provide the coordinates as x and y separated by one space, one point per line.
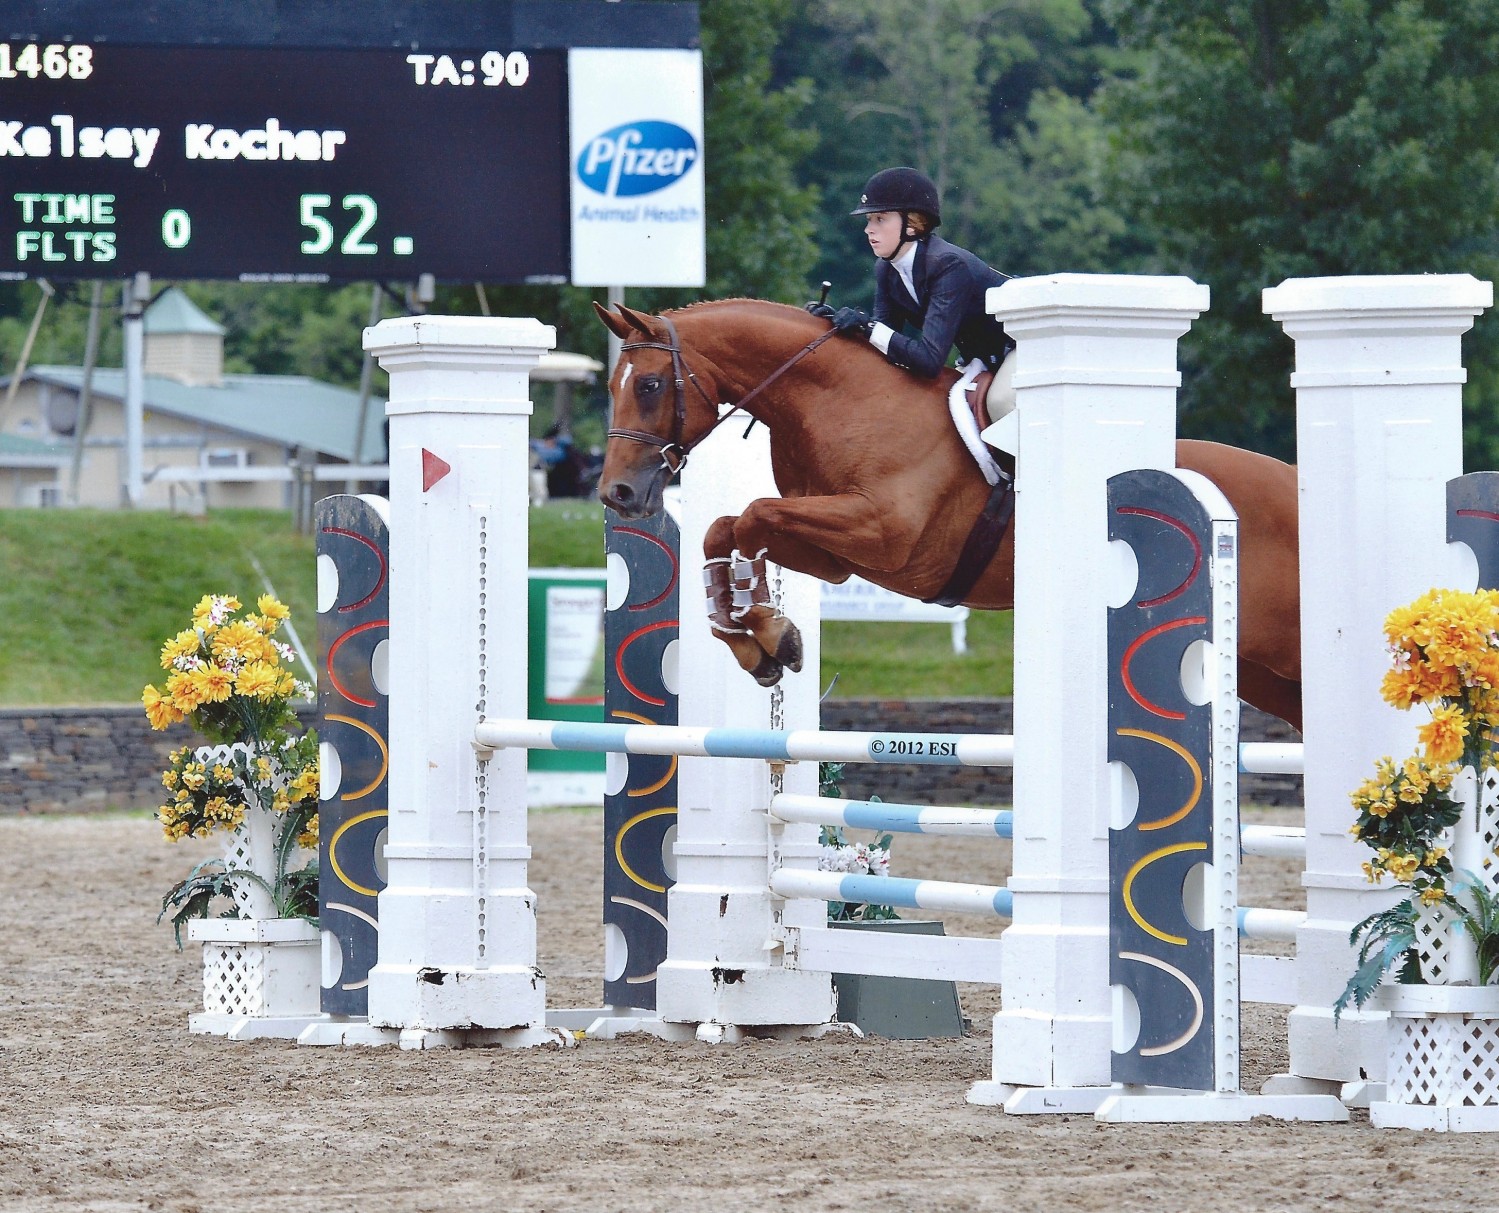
558 458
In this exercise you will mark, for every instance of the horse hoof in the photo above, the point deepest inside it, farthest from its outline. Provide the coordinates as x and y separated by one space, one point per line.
789 650
768 672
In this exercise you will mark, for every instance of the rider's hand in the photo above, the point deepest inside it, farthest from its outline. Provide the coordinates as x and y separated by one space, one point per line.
851 322
824 310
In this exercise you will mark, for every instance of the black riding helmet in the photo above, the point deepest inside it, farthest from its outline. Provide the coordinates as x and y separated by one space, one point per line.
900 189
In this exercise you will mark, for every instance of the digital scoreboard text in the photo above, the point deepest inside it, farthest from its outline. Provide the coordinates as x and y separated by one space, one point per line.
273 164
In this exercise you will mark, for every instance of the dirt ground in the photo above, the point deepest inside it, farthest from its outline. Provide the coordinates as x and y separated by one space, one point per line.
110 1104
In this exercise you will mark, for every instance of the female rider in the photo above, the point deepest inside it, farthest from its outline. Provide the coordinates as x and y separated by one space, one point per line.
923 281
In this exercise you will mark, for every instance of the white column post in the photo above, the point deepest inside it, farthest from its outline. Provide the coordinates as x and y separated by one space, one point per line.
1378 384
723 968
1096 382
457 921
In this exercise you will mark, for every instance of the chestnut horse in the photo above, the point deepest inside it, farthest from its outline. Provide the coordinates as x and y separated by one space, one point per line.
875 481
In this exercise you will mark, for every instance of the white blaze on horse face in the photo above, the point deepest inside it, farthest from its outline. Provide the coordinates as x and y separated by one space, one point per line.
624 379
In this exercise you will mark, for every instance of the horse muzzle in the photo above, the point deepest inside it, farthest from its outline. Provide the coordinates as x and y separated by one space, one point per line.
634 496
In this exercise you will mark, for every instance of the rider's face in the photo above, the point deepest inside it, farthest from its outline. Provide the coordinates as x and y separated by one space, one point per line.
883 230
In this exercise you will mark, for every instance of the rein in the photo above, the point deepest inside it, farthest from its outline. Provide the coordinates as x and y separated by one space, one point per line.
674 450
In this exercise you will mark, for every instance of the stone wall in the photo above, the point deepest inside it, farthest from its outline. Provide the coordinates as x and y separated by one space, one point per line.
55 760
81 760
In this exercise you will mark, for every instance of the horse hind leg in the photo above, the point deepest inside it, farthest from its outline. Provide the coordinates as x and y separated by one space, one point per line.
776 635
1270 692
724 618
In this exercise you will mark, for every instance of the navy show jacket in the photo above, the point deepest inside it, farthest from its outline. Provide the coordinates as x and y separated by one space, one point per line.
949 310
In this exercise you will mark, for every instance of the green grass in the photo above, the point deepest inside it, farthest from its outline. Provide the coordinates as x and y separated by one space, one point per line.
916 661
87 598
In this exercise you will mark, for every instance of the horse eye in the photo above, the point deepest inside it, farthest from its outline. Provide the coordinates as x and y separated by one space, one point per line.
647 384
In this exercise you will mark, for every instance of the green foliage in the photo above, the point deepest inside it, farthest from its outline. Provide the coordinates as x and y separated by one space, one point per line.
60 340
1477 905
1385 940
210 883
1266 141
991 102
1054 215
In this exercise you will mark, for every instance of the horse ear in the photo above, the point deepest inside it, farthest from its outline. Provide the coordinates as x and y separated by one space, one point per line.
616 324
638 320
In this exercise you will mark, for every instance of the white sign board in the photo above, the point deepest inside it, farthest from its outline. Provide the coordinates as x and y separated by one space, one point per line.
636 128
574 636
857 599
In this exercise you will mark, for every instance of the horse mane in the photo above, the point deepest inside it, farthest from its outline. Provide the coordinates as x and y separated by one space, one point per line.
784 310
800 318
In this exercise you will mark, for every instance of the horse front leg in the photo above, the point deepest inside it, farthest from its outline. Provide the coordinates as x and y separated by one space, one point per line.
740 611
820 536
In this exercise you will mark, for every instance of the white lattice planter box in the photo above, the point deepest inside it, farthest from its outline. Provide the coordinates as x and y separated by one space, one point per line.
261 976
1443 1059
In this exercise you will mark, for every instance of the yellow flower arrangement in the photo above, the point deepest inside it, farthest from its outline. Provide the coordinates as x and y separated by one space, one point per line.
1445 657
229 677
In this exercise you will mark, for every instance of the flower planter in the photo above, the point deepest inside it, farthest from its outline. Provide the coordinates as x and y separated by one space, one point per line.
1443 1058
897 1008
261 976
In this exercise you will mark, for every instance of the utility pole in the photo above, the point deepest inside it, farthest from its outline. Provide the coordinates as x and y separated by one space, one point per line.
136 293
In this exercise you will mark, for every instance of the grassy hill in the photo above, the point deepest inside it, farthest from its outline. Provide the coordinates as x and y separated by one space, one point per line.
88 597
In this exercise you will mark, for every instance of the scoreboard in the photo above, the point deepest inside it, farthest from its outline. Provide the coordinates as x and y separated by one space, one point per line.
284 164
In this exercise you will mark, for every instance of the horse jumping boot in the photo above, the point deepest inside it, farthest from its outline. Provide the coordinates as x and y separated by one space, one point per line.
753 608
718 581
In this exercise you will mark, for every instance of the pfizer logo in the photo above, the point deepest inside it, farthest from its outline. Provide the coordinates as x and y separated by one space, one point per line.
637 158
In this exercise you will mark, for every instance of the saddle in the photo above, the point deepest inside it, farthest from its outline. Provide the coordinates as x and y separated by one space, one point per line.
977 394
993 522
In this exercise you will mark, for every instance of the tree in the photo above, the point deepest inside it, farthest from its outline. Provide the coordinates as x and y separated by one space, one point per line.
1267 139
989 100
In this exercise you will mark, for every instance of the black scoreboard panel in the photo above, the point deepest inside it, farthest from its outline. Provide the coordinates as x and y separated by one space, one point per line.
283 164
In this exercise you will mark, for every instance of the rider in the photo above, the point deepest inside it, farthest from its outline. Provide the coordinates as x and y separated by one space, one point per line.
922 280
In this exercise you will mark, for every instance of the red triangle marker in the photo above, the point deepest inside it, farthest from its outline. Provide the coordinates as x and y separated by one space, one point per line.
433 469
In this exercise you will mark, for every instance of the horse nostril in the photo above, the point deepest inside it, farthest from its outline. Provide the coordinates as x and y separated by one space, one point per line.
621 493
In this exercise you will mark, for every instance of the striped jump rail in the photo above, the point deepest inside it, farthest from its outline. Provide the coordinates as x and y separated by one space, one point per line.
1279 841
796 745
805 745
944 896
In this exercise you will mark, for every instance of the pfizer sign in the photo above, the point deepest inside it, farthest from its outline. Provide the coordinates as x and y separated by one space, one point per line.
637 158
637 187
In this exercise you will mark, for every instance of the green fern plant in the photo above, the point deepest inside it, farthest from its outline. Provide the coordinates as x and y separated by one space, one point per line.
1477 907
1386 941
295 894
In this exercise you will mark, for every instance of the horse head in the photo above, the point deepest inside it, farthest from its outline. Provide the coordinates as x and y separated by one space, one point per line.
664 404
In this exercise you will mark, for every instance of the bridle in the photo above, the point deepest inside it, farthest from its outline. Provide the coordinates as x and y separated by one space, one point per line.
676 448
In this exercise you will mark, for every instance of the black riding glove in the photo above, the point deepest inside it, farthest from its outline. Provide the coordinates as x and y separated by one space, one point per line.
851 322
824 310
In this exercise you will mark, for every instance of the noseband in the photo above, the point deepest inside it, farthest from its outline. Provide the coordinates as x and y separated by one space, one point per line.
675 449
